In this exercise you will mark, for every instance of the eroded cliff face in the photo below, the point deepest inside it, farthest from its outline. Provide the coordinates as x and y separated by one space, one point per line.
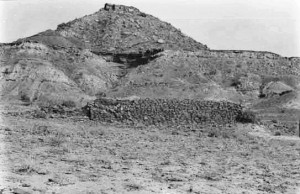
35 72
41 72
236 76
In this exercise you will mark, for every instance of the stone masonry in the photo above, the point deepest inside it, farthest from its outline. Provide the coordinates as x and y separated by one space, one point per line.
163 111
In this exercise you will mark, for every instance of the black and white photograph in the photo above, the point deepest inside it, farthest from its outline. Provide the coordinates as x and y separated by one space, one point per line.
149 97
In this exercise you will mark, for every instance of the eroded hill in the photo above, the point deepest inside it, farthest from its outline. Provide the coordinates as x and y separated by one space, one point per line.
36 73
121 52
237 76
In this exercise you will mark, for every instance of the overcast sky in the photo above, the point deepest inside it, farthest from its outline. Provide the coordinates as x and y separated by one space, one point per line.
262 25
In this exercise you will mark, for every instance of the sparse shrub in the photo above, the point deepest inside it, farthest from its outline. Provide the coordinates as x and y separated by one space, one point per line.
56 140
40 130
213 132
211 72
7 129
255 147
235 82
25 98
133 187
25 169
67 147
28 166
246 116
228 71
261 95
225 134
211 176
69 104
40 114
277 133
100 95
97 133
221 132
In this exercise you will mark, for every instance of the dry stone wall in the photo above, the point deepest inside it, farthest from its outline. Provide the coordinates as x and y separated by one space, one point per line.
163 111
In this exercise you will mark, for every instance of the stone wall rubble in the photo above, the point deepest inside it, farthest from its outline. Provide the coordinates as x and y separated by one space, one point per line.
163 111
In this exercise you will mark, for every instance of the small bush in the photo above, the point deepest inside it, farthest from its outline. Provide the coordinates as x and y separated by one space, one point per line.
246 116
211 72
213 133
40 130
133 187
56 140
69 104
277 133
25 98
25 169
235 82
100 95
40 114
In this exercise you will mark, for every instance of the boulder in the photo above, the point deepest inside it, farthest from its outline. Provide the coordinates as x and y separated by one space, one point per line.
160 41
276 88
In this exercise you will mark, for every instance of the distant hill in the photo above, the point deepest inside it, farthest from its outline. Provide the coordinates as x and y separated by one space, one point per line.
120 52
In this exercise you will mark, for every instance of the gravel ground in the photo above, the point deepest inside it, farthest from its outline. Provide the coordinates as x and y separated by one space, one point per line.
68 156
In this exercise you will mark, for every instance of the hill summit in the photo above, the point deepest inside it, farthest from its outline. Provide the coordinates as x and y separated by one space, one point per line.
119 30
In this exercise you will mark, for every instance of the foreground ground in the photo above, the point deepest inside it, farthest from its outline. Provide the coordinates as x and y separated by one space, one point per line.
58 155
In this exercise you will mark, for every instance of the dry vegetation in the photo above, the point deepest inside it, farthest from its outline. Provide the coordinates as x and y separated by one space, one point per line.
69 156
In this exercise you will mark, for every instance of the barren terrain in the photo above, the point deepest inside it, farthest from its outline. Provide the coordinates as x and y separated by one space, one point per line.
161 108
80 156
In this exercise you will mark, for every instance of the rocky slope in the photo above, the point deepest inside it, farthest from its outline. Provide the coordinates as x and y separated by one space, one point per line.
123 52
238 76
34 72
75 62
123 33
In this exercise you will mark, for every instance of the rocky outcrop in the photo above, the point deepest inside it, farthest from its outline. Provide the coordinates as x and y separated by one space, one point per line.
131 59
163 111
108 7
276 88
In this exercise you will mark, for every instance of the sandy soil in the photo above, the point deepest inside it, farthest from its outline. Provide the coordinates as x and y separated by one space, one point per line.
69 156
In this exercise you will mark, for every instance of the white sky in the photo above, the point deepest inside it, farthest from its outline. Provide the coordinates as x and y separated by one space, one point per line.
266 25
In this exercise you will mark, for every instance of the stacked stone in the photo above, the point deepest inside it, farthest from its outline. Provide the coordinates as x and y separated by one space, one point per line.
163 111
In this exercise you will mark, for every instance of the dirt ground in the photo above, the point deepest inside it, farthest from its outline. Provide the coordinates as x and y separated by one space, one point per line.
58 155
